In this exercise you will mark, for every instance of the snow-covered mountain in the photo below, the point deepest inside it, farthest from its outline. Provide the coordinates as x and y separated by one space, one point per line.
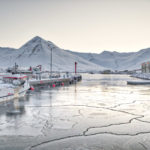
7 56
117 61
37 51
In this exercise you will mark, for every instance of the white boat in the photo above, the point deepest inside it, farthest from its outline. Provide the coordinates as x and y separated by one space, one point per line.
13 86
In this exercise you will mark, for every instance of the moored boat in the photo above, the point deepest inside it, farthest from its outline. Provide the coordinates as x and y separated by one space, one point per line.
13 86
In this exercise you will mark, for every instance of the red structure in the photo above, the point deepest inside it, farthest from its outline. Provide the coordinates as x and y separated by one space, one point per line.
75 67
30 69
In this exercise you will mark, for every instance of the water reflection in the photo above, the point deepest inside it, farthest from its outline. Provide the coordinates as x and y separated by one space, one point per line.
15 107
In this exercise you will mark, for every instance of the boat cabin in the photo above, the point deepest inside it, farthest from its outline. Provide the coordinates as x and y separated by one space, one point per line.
14 77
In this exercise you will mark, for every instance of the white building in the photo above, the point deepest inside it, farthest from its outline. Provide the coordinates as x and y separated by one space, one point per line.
145 67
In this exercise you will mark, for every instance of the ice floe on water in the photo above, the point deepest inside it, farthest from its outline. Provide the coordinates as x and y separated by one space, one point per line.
90 115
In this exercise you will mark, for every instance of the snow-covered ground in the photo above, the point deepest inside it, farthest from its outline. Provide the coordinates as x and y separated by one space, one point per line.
142 75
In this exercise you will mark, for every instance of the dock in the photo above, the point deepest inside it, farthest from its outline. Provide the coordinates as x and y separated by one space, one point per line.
56 81
140 82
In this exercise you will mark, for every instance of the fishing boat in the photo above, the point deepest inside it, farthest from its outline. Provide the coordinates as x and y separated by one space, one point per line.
13 86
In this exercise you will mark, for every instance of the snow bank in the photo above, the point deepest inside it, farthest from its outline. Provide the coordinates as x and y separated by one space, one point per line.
142 75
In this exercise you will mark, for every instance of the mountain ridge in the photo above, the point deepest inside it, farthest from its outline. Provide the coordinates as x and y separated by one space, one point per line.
38 50
117 60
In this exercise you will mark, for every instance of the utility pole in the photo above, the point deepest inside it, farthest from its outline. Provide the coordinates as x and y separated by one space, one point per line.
51 64
51 47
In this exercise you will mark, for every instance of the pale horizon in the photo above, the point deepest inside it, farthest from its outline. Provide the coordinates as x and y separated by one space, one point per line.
81 25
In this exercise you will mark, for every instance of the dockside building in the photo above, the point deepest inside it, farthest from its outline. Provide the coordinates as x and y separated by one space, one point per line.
145 67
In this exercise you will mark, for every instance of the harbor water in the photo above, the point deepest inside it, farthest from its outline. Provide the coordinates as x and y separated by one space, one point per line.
101 112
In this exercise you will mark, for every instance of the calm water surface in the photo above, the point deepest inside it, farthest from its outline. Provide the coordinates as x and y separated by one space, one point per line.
100 112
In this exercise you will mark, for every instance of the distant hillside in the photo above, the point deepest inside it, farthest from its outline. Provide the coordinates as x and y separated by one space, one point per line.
7 56
37 51
117 61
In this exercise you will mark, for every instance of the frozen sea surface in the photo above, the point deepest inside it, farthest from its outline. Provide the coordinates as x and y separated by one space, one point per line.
101 112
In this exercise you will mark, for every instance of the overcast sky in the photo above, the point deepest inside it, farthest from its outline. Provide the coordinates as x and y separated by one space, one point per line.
78 25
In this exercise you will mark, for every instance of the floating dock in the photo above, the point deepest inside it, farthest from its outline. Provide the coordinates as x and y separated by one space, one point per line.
140 82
